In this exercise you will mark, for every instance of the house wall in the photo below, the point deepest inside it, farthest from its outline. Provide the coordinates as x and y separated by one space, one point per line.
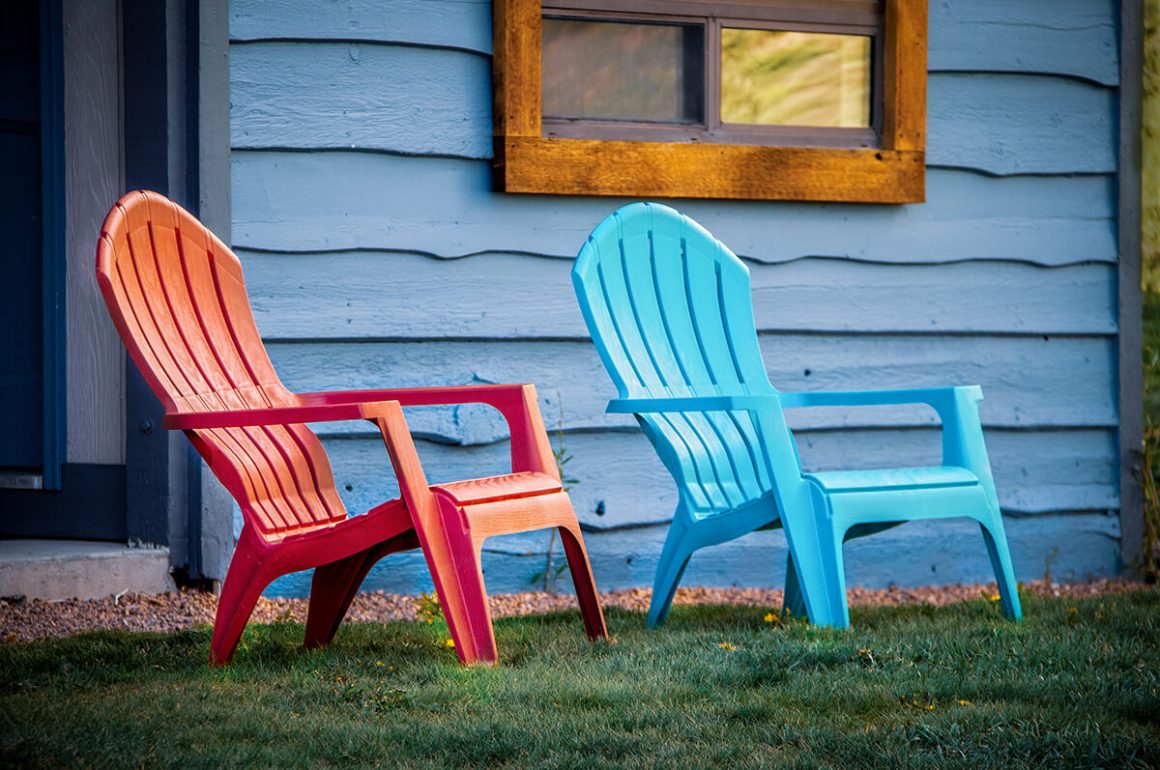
93 163
377 255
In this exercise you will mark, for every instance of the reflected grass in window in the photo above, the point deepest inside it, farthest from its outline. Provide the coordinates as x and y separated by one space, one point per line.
778 78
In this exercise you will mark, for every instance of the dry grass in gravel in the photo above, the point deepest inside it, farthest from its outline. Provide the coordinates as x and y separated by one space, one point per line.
22 621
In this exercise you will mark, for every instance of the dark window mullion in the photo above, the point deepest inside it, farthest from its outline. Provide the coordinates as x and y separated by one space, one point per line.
712 74
877 82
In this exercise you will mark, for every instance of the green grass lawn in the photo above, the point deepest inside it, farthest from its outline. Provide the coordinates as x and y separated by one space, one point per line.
1074 685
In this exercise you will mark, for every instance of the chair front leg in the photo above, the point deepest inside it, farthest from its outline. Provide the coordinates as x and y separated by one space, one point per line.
452 557
816 549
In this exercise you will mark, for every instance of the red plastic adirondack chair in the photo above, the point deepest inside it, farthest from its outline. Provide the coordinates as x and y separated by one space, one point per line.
177 297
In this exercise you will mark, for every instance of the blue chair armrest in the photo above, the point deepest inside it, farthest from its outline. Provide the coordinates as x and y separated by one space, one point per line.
939 398
957 407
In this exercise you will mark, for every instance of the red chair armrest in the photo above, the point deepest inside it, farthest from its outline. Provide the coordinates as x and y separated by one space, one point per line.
282 415
517 403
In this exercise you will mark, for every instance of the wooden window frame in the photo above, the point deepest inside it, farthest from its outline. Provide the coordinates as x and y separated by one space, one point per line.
526 161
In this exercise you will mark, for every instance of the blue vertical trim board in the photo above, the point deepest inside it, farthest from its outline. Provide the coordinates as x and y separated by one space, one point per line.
146 94
53 264
193 533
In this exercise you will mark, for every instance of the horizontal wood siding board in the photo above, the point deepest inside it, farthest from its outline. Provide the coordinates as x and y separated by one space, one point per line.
1021 124
461 24
372 294
408 100
1028 382
310 202
419 101
1079 545
1065 37
620 474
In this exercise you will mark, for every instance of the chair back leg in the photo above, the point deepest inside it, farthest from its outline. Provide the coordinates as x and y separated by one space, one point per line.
330 596
584 583
335 586
794 602
995 537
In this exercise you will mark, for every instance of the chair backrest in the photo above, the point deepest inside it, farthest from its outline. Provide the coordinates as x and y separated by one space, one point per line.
668 306
177 297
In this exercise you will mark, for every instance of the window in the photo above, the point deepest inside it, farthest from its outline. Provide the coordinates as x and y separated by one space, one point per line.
753 99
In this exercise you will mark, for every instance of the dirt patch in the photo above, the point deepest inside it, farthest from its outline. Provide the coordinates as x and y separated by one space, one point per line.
29 620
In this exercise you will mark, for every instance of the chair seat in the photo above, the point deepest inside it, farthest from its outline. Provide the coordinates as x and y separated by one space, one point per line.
493 488
894 479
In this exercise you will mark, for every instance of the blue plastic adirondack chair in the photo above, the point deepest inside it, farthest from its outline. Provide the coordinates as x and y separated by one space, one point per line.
668 307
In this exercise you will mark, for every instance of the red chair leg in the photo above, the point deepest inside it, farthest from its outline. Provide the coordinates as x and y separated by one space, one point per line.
458 579
244 583
330 596
584 583
335 586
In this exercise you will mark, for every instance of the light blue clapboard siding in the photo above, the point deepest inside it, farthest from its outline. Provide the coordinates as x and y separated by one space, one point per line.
289 94
311 202
1068 37
1071 473
378 255
349 95
919 553
456 24
1068 385
374 293
1020 124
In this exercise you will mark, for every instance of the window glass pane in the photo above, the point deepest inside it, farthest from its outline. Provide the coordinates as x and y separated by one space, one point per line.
622 71
775 78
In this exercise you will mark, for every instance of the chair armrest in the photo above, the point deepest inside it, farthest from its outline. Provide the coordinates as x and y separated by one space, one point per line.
688 404
957 408
279 415
385 413
939 398
517 403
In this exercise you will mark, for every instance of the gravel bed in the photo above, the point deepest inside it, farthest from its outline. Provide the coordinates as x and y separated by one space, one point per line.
22 621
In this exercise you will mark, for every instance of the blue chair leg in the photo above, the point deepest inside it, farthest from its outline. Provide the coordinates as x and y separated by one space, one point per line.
995 537
794 603
674 556
817 555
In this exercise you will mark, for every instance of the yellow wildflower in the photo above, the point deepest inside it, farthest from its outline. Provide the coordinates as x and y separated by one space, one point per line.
771 618
964 702
727 646
449 644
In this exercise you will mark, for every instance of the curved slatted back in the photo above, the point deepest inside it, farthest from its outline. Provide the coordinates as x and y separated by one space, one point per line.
177 297
668 306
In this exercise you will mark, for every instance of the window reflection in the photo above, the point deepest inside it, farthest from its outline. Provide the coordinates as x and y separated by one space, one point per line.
621 71
776 78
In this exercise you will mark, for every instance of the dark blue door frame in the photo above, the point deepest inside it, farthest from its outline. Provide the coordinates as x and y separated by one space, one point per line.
53 265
